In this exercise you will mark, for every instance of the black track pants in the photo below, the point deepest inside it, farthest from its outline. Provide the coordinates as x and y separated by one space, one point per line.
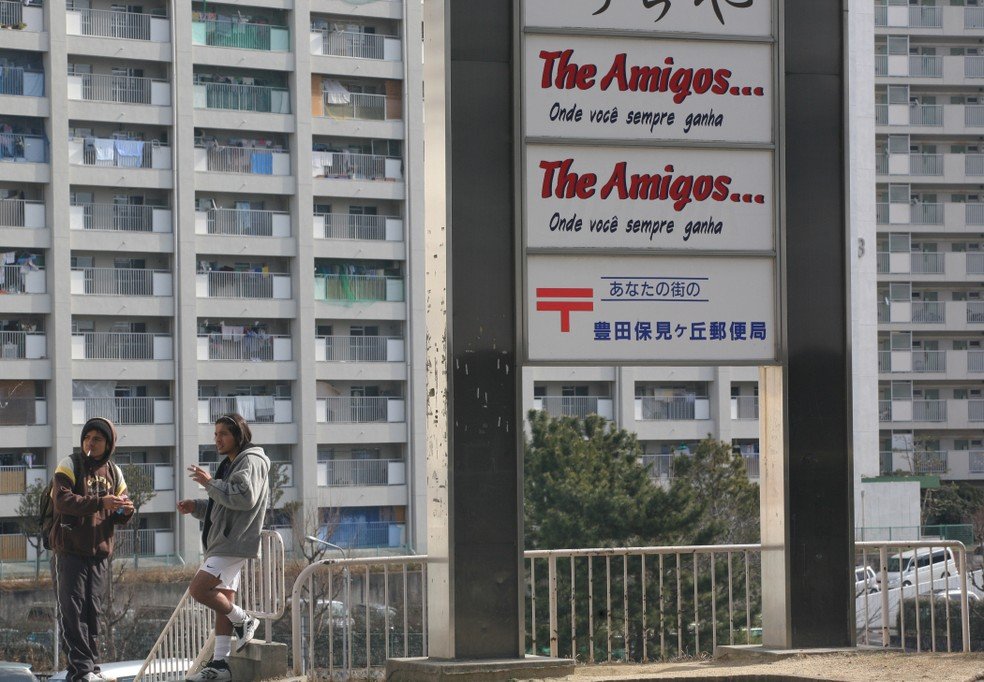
80 583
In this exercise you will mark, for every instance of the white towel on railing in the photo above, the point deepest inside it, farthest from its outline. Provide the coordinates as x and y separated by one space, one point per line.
245 405
264 406
104 149
335 92
319 161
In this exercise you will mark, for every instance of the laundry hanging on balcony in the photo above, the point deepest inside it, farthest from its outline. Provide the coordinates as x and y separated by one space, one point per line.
105 149
335 92
261 163
129 153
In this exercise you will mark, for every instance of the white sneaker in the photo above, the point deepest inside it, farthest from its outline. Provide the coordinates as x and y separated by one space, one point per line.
245 631
93 677
214 671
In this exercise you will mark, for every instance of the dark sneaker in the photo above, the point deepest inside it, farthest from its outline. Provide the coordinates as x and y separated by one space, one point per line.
245 631
214 671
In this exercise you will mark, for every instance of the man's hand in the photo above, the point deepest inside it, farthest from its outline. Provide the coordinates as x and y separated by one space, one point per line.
199 475
186 506
114 502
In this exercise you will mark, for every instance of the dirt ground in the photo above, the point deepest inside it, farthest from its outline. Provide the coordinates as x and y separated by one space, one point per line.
855 666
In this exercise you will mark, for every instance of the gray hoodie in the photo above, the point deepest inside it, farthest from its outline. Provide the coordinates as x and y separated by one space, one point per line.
240 502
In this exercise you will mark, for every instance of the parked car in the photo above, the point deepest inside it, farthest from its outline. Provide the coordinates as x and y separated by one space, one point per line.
125 671
865 580
931 565
16 672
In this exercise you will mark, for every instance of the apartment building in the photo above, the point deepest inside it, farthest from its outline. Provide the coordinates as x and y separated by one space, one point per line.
929 94
209 207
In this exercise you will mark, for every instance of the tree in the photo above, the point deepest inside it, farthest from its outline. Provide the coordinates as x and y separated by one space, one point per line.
952 503
586 487
140 489
715 478
278 479
29 520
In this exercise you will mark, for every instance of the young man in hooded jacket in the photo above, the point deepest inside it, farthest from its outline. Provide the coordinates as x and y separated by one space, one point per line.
89 500
233 516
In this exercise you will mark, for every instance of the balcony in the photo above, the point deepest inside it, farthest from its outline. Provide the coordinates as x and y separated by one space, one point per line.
113 153
575 406
241 35
359 349
361 106
364 227
14 480
146 542
251 347
118 24
345 473
682 408
15 13
121 346
94 87
18 279
975 312
242 223
365 535
22 345
24 412
161 475
356 45
349 166
252 160
15 80
124 411
255 285
21 213
360 410
23 148
120 218
237 97
358 288
744 407
121 282
259 409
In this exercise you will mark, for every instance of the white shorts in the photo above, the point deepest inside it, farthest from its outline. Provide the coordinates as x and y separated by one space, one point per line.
226 569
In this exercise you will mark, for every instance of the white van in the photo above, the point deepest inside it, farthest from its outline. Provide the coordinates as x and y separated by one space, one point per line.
933 563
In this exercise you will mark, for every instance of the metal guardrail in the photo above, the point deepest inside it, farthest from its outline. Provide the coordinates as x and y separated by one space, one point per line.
12 211
353 44
13 345
190 630
241 284
122 410
352 226
926 164
973 17
254 347
240 34
353 166
118 281
363 106
119 345
356 472
13 278
143 159
352 288
241 97
20 412
975 312
656 408
356 348
118 217
253 160
925 66
571 406
13 479
262 408
115 24
120 89
357 409
11 12
13 147
928 312
12 80
244 223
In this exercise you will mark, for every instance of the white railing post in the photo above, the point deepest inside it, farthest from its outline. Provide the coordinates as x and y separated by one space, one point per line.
552 599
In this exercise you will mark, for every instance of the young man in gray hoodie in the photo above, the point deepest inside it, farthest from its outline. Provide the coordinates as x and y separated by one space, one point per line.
233 517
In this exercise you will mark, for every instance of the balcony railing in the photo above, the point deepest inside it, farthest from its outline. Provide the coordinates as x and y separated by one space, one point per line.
881 213
975 312
115 24
884 361
143 542
353 166
752 463
21 345
926 66
160 474
358 288
930 462
117 217
343 473
260 409
973 115
118 345
926 115
669 409
881 64
929 410
251 160
927 263
975 263
975 410
744 407
126 411
23 412
19 147
351 226
926 214
353 44
19 279
244 284
241 34
928 312
973 17
118 281
357 409
11 12
120 154
120 89
884 410
244 223
881 114
356 348
240 97
883 262
974 66
14 213
366 535
926 361
975 361
926 164
925 16
576 406
660 466
881 164
15 80
253 347
362 106
16 479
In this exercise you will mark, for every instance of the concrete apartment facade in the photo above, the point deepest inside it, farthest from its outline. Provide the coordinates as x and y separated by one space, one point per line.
929 68
207 208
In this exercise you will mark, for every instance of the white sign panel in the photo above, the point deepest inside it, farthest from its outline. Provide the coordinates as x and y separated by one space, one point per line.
626 88
639 198
714 17
650 309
